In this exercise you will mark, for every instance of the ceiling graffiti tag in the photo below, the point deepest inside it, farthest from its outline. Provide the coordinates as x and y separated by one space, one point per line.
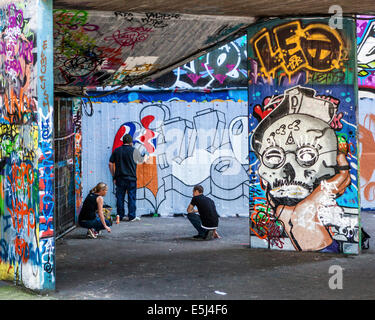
130 36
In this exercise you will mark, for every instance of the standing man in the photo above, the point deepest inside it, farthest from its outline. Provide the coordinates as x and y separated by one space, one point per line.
207 221
123 167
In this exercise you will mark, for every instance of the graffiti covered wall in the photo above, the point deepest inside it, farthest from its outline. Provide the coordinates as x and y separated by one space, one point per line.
303 159
77 118
191 138
366 103
26 156
219 69
225 67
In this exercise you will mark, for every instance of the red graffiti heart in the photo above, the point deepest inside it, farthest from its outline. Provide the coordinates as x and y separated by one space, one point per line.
262 113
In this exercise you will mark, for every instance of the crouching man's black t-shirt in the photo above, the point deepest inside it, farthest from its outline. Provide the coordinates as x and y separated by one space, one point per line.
207 211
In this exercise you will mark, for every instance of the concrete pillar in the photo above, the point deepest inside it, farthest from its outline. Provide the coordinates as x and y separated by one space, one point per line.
27 246
303 135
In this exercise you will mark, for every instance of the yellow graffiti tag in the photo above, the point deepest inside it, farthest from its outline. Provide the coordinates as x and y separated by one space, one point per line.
317 47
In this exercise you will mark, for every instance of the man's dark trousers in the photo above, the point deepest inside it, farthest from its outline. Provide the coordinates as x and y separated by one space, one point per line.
124 185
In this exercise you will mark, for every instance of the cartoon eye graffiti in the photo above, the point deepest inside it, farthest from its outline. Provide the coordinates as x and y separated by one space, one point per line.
307 156
221 59
273 157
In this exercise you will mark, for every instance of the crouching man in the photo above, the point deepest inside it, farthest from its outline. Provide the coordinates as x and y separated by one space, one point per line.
205 218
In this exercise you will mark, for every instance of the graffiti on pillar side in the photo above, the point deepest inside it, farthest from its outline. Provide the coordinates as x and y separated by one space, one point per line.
366 50
19 197
366 100
16 64
77 119
367 147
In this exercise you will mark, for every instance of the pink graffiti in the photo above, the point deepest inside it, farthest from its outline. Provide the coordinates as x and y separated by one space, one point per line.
26 51
330 99
18 16
230 67
220 77
336 121
13 65
194 77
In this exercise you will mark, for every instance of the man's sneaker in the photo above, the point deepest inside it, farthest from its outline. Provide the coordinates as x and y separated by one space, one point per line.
135 219
209 235
91 233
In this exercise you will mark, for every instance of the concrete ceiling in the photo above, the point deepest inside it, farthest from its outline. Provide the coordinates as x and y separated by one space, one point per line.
106 48
248 8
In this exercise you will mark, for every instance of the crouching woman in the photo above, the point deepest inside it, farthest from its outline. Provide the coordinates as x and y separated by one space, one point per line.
91 215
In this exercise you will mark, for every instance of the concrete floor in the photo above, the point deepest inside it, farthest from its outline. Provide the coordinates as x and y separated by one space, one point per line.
155 259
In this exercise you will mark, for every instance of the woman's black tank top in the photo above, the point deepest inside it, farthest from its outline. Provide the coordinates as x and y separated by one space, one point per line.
89 207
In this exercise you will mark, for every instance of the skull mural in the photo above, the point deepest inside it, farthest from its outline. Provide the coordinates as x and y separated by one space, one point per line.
296 149
297 152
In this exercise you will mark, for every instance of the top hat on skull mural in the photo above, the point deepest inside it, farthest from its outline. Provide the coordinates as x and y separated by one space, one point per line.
297 100
296 145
